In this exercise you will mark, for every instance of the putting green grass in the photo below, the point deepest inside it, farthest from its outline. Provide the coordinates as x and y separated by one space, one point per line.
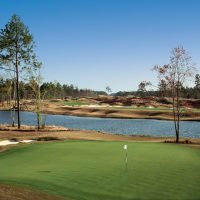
89 170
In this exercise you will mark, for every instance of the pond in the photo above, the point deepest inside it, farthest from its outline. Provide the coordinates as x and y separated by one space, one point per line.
146 127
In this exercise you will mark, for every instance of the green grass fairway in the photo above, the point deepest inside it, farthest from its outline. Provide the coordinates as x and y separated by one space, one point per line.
88 170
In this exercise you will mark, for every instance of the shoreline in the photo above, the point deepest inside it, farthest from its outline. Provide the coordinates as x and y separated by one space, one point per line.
59 133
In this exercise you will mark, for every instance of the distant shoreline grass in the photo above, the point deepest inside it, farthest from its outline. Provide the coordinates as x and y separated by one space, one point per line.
73 103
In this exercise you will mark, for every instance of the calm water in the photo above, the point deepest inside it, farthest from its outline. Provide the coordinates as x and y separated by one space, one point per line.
115 126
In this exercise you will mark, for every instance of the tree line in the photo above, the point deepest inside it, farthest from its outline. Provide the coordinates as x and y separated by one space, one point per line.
161 90
48 90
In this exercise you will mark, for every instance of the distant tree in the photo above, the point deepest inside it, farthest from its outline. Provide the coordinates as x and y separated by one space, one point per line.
16 49
108 89
142 87
35 82
175 76
197 81
2 90
197 86
162 87
100 93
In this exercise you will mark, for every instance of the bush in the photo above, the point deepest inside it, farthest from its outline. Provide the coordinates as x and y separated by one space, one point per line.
164 101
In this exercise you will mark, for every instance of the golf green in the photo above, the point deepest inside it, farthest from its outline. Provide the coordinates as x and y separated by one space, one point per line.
95 170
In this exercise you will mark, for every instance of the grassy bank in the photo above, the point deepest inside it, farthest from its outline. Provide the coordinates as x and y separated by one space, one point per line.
96 170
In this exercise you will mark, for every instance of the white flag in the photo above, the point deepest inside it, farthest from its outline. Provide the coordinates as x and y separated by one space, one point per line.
125 146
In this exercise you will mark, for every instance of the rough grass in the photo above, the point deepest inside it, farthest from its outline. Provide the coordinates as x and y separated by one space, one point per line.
74 103
89 170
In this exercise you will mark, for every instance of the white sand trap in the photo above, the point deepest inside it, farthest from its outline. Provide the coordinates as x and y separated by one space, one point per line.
26 141
91 106
9 142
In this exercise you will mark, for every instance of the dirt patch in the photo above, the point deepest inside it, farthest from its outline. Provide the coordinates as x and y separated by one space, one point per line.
8 192
181 142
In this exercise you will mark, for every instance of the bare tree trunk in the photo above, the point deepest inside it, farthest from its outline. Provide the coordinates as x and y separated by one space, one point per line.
17 77
17 87
11 105
178 112
14 104
175 113
38 102
174 116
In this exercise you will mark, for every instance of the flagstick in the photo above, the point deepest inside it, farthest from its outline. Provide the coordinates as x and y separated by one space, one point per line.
126 162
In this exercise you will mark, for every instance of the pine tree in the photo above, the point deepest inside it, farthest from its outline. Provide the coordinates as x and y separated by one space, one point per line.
16 49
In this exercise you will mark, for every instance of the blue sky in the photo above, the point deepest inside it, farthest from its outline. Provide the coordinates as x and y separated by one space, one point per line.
95 43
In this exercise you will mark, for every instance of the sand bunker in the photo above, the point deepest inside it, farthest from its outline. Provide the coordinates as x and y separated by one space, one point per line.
10 142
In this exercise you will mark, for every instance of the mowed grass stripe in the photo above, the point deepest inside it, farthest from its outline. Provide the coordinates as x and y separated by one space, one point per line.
96 170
